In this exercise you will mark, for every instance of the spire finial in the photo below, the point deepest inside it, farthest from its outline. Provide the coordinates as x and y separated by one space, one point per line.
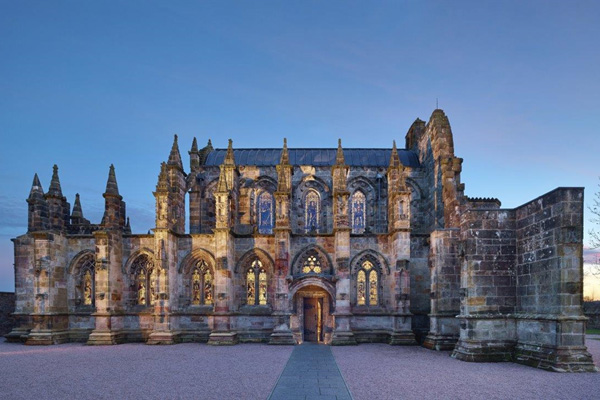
285 157
55 189
111 183
175 156
339 157
394 158
229 158
194 146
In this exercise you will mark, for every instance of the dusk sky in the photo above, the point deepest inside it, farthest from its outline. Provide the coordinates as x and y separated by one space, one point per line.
85 84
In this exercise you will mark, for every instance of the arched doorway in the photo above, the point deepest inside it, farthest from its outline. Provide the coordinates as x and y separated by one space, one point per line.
312 319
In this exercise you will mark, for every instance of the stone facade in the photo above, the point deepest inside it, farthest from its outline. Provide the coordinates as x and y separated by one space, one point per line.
7 307
591 310
339 246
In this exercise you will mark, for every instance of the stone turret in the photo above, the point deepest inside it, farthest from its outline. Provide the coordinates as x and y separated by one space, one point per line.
38 207
114 206
57 204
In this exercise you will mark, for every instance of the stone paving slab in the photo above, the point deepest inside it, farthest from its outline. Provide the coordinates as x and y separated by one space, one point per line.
311 373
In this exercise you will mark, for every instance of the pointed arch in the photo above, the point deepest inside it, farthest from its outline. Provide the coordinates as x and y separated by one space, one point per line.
305 256
192 257
141 251
246 259
76 260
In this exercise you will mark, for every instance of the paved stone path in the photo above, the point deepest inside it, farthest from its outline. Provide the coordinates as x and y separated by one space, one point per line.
311 373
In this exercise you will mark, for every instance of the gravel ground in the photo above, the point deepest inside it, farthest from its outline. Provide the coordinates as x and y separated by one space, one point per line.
380 371
128 371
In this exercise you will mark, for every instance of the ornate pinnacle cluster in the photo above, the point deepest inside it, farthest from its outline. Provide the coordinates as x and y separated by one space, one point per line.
394 158
285 156
175 156
339 156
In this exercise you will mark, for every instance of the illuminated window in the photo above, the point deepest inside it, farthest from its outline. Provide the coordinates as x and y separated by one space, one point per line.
312 208
367 292
358 207
256 284
145 281
311 265
202 284
87 280
265 213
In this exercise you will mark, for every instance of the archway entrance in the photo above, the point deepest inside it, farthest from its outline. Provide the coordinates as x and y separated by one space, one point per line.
312 320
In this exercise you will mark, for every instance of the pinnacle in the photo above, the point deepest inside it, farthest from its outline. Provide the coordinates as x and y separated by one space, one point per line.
175 156
77 211
339 157
229 157
194 146
36 188
55 188
111 183
394 158
285 157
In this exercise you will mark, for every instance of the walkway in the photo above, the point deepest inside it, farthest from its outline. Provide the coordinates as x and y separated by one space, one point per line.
311 373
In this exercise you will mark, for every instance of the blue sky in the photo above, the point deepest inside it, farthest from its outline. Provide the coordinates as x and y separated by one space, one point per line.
87 84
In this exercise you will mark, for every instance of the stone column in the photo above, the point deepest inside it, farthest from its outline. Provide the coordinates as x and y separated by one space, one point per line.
445 290
108 288
49 317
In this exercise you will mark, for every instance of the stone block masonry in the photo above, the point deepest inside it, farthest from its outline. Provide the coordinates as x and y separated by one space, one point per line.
7 307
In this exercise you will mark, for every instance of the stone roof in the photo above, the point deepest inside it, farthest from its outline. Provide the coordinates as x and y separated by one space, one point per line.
315 157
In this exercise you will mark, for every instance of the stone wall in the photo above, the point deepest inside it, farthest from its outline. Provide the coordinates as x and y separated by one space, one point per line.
7 307
591 309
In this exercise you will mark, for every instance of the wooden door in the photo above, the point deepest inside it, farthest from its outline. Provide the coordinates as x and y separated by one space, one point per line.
312 319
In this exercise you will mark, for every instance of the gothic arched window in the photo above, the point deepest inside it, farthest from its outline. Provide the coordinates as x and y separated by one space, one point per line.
264 207
144 280
358 207
312 208
202 284
367 283
87 281
256 284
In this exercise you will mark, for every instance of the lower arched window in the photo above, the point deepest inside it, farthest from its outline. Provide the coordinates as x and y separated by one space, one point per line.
87 281
202 284
367 283
256 284
145 281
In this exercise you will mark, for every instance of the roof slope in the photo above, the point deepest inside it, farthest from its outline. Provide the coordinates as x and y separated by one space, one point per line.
315 157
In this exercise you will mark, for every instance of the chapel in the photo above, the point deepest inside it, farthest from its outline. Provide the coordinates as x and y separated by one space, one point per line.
338 246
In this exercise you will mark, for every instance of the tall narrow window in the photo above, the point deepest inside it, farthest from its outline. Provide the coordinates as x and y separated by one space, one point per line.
145 280
87 280
256 284
312 208
265 212
361 289
88 295
367 292
358 207
202 284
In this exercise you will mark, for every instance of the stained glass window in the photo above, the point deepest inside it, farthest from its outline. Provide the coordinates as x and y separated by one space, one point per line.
141 287
265 213
262 287
145 280
311 264
251 286
312 207
367 292
88 295
358 206
87 279
361 288
256 284
201 284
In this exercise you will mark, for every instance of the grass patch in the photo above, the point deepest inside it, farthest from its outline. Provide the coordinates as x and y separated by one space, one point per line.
593 332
